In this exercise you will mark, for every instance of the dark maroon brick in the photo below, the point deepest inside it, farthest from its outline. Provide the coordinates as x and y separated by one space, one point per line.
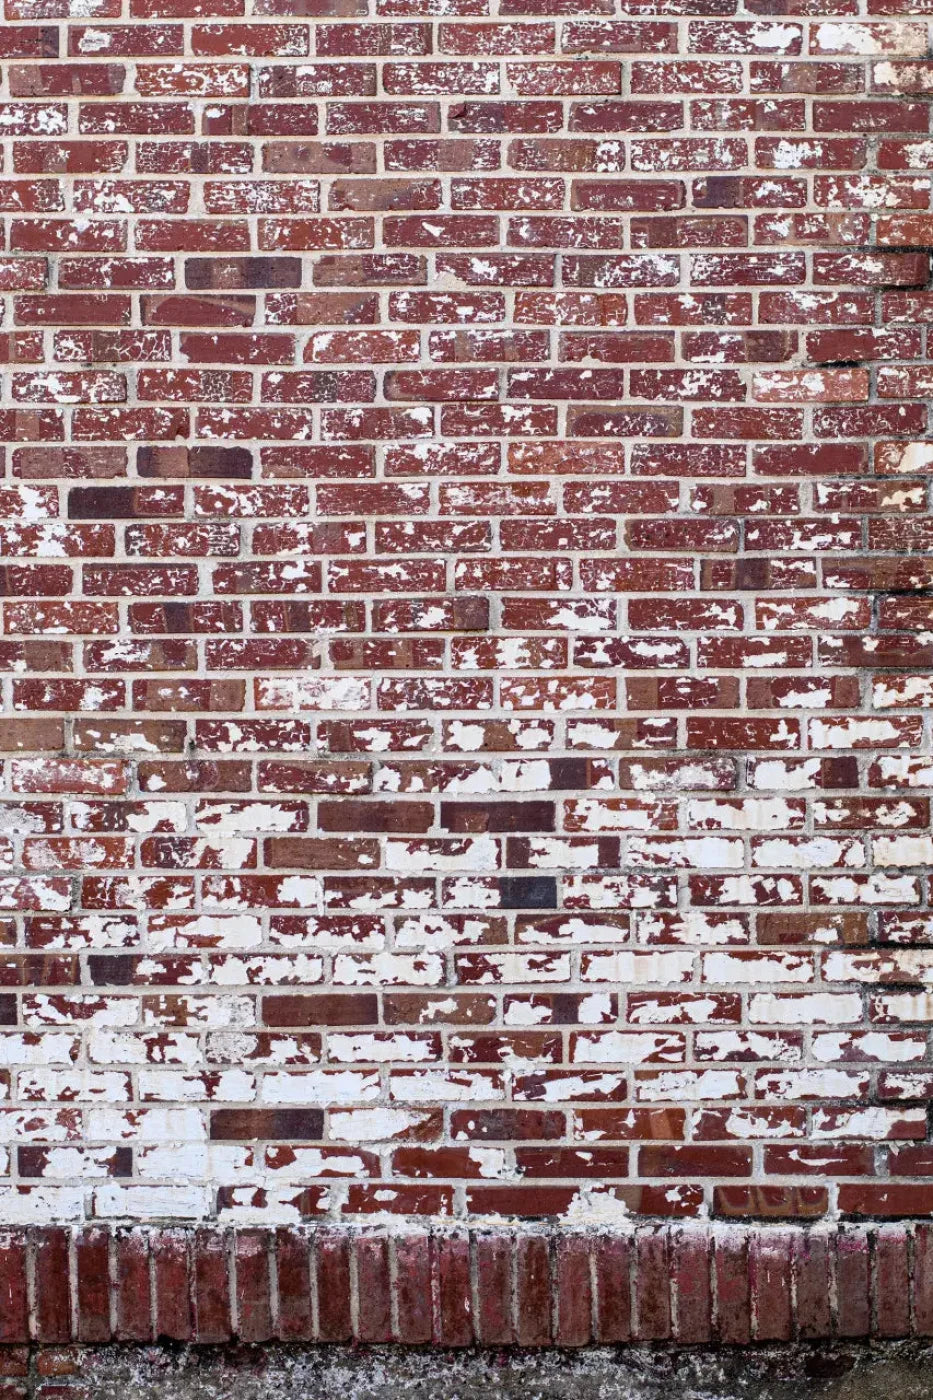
892 1281
332 1270
812 1265
922 1281
172 1285
93 1286
452 1290
132 1293
52 1298
690 1258
413 1288
733 1288
613 1262
212 1302
492 1260
770 1272
853 1283
293 1279
652 1280
574 1291
373 1288
253 1286
533 1302
14 1302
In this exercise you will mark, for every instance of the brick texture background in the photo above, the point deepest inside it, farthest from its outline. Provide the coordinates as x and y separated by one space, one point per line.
681 1283
466 620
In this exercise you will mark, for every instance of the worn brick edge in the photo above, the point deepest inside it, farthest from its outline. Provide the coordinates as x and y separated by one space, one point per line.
455 1288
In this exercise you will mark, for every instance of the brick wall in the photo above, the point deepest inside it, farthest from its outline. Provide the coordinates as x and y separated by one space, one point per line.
682 1283
466 612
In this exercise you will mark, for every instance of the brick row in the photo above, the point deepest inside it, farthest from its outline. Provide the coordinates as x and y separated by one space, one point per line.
682 1284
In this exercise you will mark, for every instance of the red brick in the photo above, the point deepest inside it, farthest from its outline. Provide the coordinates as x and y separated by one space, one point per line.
293 1286
371 1256
93 1285
132 1300
853 1283
892 1282
492 1261
690 1261
172 1285
253 1286
533 1300
14 1302
541 396
574 1291
211 1278
413 1288
52 1297
652 1280
332 1276
451 1283
812 1266
733 1288
922 1282
770 1272
612 1263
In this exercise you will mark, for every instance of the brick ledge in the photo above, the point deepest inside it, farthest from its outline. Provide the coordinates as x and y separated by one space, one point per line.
492 1287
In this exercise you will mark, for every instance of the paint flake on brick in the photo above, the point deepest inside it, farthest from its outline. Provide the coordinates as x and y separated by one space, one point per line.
465 631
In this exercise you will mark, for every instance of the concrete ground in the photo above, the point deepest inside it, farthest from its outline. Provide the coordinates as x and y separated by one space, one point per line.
889 1371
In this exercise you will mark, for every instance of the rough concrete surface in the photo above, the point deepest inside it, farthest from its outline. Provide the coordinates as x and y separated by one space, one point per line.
879 1372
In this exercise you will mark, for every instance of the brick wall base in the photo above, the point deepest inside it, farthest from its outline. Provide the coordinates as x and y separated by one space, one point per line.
684 1284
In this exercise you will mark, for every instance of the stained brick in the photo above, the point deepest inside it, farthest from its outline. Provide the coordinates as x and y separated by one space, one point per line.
467 733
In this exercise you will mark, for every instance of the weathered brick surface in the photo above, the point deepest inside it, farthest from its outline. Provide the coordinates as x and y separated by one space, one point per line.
466 622
529 1287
